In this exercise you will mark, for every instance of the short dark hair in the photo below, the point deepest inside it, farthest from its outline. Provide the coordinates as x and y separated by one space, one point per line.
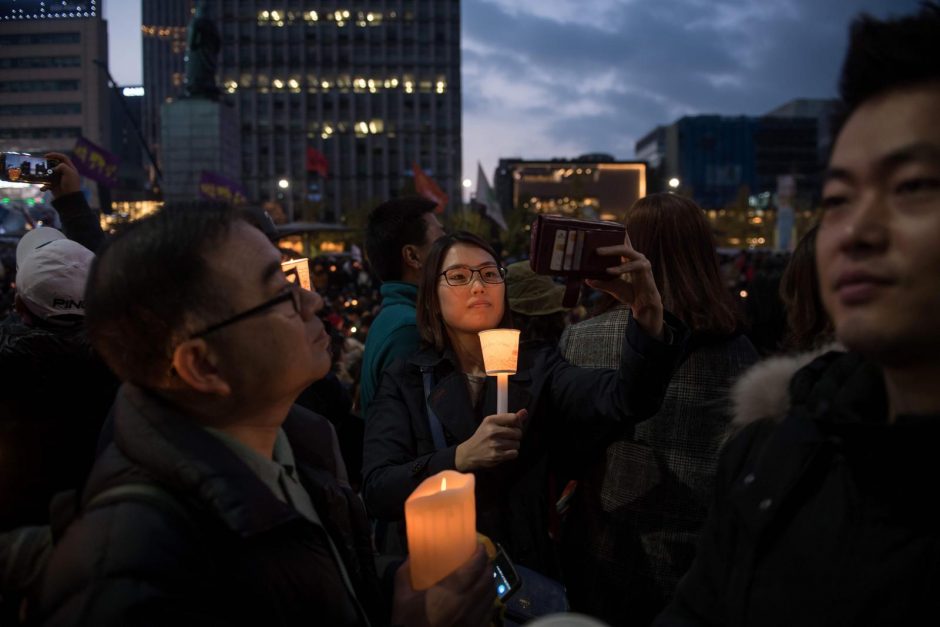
885 55
393 225
149 285
674 234
430 322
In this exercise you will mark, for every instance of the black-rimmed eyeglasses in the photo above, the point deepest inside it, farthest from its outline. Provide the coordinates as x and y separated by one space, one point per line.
463 276
292 294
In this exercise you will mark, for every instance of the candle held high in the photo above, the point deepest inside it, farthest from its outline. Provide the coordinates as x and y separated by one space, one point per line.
500 356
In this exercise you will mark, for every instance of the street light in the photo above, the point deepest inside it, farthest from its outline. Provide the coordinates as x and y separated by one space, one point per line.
674 183
284 184
467 183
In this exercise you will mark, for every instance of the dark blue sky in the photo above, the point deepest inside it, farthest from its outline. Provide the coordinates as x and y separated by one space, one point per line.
558 78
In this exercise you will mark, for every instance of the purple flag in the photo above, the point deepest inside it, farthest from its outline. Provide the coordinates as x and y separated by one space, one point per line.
95 162
216 187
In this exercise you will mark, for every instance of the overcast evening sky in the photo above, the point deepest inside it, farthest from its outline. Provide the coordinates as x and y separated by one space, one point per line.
559 78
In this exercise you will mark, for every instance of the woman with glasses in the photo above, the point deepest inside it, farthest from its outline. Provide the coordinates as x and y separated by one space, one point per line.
436 411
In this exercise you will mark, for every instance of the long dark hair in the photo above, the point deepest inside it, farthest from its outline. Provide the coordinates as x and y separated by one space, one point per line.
808 324
430 321
675 236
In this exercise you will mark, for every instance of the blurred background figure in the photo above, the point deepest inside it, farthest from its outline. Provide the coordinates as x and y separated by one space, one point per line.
808 324
635 518
535 302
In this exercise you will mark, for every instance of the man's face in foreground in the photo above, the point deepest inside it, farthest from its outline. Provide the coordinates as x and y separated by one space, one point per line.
878 248
273 355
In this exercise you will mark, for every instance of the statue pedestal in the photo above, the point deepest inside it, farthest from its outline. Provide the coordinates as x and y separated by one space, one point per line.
197 135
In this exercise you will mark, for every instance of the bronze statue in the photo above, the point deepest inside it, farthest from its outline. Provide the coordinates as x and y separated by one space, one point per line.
202 56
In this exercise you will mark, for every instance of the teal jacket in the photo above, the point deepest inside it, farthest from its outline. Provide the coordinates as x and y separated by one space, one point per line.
393 335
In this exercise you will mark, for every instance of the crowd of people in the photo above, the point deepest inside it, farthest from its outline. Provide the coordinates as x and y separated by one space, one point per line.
187 436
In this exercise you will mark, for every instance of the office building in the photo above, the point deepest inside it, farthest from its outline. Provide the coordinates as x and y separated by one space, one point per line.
51 91
715 159
371 85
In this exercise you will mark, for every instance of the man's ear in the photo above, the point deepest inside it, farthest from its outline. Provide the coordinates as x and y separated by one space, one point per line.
411 256
195 364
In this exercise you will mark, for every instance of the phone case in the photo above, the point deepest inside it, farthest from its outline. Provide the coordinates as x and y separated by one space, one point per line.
568 247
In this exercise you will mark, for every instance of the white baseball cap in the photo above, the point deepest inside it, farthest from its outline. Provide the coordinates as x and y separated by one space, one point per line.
36 238
51 273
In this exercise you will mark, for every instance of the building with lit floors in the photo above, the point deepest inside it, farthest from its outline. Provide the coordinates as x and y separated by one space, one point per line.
51 92
357 90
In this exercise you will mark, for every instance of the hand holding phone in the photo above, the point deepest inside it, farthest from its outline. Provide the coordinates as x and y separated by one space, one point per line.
65 179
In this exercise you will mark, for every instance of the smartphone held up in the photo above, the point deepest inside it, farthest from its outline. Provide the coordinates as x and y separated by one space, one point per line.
18 167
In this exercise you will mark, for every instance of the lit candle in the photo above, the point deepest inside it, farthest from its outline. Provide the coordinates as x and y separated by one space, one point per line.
441 523
500 354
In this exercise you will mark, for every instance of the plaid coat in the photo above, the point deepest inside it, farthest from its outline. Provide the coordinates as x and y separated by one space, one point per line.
632 530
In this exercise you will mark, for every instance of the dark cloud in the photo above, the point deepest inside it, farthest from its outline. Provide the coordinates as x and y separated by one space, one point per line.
545 78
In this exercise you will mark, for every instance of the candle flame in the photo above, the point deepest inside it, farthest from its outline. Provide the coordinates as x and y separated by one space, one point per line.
443 483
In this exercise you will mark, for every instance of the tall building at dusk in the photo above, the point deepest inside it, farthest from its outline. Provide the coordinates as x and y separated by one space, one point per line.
371 85
51 91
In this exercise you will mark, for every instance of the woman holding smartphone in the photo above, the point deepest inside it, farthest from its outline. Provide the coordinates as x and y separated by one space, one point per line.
552 403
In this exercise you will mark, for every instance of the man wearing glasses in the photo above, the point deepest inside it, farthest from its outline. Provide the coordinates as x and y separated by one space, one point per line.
218 501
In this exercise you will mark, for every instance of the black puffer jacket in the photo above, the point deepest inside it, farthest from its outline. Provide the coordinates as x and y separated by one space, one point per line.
56 395
240 556
826 517
566 405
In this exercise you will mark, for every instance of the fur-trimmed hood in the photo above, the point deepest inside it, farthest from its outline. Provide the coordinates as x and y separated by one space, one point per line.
764 390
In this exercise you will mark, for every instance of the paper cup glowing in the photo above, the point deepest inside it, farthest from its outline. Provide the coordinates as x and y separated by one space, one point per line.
500 351
441 523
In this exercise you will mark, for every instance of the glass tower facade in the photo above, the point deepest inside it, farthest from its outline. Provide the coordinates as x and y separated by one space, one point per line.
372 86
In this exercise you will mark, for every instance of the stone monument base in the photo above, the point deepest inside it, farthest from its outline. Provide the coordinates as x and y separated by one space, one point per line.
197 135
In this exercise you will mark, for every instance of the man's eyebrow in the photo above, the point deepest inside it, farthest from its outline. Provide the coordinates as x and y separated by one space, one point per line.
837 174
919 151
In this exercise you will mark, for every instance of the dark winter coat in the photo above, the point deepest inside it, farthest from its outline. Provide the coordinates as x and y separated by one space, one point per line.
56 395
823 513
564 403
635 517
238 555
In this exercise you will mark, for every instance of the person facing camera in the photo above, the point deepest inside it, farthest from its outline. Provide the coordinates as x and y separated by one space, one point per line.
633 523
462 292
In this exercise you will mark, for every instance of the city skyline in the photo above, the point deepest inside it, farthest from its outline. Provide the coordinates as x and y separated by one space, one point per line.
556 78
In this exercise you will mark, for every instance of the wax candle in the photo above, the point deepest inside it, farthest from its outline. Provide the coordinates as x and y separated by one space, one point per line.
500 356
441 524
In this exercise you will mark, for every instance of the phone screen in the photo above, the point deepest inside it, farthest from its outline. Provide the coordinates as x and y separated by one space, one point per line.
23 168
504 575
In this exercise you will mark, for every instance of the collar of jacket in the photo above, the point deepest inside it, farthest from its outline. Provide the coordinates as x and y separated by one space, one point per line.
834 388
450 398
398 293
173 450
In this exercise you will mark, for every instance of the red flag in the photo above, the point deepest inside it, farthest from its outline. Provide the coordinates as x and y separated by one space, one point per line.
316 162
425 186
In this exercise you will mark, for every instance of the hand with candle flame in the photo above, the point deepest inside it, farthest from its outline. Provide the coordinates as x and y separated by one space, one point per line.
495 441
632 283
465 598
